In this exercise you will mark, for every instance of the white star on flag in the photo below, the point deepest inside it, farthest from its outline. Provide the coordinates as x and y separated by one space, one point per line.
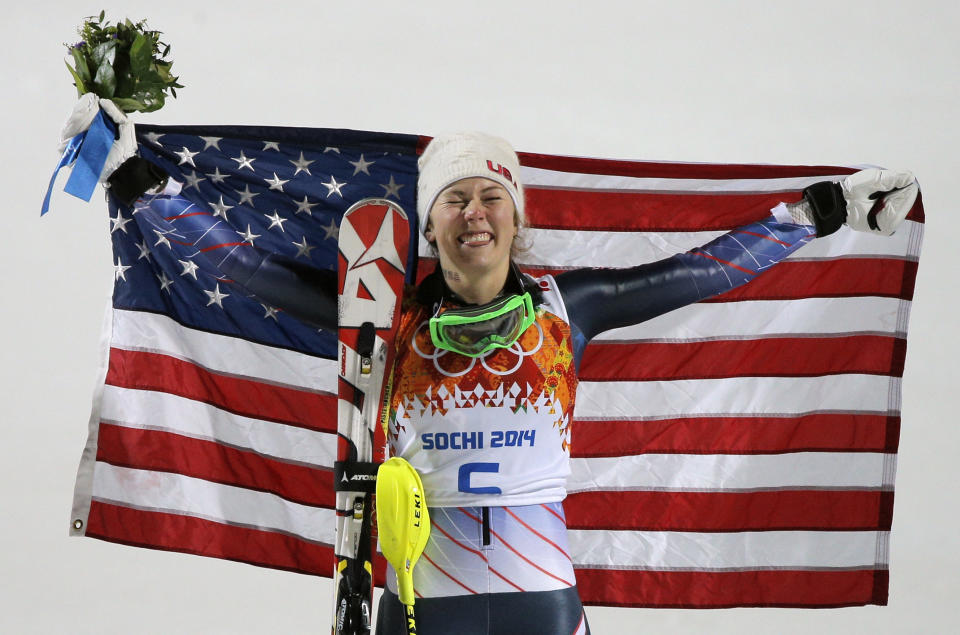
271 312
164 282
217 177
249 236
244 162
271 145
333 186
331 230
189 268
193 179
276 183
186 156
391 189
211 142
302 165
144 250
276 221
119 269
246 196
304 205
303 249
361 166
119 223
220 209
161 239
216 297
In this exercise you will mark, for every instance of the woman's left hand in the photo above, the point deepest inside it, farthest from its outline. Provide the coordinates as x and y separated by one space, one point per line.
878 200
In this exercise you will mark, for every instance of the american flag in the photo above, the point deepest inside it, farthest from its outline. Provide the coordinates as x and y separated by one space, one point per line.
736 452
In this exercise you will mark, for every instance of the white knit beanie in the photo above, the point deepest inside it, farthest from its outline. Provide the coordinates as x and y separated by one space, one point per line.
461 155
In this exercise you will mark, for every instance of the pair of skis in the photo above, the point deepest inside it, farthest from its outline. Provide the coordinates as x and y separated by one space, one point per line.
374 243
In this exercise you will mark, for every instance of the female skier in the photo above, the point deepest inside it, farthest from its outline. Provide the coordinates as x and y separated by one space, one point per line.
486 370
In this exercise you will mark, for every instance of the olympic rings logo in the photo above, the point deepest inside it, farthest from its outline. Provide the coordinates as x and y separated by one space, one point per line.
439 353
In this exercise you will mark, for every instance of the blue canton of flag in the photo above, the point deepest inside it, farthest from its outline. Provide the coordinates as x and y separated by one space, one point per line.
283 199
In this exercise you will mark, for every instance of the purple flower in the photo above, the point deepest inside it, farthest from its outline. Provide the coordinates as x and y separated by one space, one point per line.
80 44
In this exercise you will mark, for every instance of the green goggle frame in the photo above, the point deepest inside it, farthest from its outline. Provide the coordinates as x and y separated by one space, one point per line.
476 330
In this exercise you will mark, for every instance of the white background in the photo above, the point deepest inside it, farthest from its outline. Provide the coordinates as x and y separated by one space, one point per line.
804 82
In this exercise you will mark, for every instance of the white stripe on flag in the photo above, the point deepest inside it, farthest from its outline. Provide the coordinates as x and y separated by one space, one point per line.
697 551
151 332
145 409
566 249
740 395
179 494
753 319
731 472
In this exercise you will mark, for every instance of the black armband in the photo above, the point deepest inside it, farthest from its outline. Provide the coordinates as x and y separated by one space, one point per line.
134 177
828 205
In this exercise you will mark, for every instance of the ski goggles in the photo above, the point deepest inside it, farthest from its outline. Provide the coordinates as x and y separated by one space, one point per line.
476 330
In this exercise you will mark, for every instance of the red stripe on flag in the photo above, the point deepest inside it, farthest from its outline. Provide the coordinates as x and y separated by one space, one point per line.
709 589
781 510
169 452
773 357
572 209
188 534
198 536
841 277
668 170
737 435
245 397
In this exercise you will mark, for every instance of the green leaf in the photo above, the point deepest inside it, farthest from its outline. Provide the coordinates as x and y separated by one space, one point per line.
127 104
126 84
140 55
105 80
104 52
77 81
80 61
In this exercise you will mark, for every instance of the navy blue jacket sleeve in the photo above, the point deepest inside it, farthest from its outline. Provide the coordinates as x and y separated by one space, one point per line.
598 300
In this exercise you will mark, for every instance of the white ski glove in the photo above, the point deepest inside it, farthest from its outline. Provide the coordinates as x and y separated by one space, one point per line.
84 111
873 200
878 200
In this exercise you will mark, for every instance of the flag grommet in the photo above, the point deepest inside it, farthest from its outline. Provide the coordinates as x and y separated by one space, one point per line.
78 524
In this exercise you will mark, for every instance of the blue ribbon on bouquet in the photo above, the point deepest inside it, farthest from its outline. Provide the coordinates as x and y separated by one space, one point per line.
87 152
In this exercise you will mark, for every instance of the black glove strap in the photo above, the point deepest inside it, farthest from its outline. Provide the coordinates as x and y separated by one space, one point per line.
134 177
828 205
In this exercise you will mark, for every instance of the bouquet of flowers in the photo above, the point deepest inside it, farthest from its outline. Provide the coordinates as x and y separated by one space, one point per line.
123 62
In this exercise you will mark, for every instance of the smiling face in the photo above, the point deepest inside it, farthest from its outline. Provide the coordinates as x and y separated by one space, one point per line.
473 224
